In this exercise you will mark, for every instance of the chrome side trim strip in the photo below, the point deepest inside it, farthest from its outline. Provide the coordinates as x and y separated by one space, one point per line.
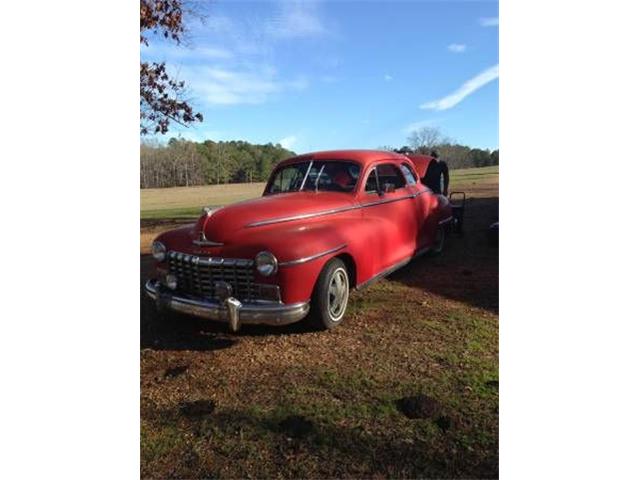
391 200
322 213
392 268
383 273
446 220
299 261
302 216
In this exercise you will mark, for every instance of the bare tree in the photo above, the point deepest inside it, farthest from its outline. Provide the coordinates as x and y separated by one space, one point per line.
426 138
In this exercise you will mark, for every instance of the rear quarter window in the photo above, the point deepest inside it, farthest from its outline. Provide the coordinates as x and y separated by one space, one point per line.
389 173
409 176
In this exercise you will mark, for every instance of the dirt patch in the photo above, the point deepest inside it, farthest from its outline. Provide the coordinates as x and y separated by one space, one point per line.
296 426
197 408
443 422
296 403
175 371
419 406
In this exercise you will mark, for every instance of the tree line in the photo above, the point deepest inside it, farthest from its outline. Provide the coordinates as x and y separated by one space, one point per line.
185 163
428 139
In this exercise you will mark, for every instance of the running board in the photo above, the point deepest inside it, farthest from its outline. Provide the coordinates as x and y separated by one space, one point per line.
391 269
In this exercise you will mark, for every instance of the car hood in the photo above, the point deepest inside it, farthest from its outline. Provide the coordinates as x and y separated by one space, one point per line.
223 224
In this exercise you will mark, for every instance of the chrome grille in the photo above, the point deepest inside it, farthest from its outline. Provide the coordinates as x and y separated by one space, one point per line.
197 275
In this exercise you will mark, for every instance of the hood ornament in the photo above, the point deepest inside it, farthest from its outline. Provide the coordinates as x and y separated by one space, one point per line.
203 241
208 211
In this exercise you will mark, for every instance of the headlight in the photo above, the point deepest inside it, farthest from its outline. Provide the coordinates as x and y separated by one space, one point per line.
266 264
159 251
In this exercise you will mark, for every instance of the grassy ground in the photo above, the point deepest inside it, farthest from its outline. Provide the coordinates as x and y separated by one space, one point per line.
291 402
187 202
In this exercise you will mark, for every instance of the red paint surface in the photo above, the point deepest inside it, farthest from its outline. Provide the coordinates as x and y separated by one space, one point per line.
376 236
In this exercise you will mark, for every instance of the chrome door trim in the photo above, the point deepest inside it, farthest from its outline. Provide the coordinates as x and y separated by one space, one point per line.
302 216
299 261
333 211
392 268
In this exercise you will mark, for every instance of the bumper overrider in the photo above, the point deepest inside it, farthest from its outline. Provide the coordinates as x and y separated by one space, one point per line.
230 310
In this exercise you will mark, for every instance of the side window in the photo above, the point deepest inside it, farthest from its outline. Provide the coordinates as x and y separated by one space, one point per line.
388 173
372 182
409 176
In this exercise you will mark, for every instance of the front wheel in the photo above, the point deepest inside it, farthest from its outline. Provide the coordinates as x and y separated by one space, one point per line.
330 296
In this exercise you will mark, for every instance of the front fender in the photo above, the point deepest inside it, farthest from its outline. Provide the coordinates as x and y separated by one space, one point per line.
302 251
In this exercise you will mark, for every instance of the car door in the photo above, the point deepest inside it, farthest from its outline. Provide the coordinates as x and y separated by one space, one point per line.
389 214
419 205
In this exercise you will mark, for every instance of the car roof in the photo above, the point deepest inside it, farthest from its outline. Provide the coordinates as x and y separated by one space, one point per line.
362 157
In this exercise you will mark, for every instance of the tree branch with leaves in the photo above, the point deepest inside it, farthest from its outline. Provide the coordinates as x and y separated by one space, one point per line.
162 98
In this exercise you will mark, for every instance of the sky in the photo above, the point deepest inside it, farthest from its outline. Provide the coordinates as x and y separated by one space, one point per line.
323 75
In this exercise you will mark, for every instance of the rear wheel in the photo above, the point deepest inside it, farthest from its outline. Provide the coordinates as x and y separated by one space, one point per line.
330 296
438 243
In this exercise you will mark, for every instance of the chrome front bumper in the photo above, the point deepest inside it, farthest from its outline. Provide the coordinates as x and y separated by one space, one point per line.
231 310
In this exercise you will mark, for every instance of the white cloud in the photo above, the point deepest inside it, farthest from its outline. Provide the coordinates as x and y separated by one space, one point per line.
224 86
488 21
288 142
465 90
457 47
296 19
238 68
388 78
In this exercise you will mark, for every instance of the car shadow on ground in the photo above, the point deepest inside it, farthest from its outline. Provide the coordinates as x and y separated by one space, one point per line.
467 269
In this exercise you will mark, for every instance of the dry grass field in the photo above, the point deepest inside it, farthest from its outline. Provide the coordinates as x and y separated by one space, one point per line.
295 403
185 202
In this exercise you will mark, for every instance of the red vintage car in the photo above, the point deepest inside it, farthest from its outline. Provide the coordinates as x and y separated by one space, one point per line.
326 223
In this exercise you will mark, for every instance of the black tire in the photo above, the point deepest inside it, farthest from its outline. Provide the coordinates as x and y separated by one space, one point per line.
438 244
327 309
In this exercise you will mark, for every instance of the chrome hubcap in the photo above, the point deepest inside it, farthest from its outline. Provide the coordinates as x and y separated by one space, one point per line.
338 294
439 242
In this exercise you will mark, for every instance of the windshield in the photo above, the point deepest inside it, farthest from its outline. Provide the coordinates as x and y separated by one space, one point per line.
319 176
